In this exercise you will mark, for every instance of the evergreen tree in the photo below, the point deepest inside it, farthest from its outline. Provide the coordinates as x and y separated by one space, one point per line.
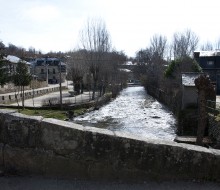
3 69
3 73
22 78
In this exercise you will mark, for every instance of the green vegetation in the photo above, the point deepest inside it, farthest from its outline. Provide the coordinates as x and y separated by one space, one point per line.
3 74
4 78
22 78
196 67
217 118
56 114
170 69
185 64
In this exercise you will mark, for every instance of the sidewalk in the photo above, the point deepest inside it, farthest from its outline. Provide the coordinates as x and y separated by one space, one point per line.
54 97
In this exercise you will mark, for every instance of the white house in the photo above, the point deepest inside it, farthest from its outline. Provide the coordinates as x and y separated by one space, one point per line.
12 62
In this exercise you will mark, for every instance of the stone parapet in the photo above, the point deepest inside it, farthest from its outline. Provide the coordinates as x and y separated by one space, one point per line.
49 147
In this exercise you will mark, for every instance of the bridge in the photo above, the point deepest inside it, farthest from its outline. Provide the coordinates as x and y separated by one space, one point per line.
37 146
134 83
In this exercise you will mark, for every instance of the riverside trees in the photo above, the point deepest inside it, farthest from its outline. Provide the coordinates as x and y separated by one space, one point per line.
161 64
96 42
164 75
184 44
96 59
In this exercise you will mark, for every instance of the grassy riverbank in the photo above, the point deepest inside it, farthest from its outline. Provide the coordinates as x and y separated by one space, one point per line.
56 114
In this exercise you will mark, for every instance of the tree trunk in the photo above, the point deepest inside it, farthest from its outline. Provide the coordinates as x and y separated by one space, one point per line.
94 90
22 97
202 117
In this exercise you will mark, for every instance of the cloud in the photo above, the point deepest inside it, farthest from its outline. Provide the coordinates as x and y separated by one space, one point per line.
43 13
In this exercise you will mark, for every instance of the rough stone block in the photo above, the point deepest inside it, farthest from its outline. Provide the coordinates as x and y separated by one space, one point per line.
1 159
21 130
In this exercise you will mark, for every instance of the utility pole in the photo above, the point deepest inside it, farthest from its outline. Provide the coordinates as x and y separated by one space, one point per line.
61 103
46 64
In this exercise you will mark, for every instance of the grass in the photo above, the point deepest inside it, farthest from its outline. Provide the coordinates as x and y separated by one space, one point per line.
56 114
217 117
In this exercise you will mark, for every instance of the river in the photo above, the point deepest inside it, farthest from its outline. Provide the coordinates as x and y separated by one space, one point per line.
135 112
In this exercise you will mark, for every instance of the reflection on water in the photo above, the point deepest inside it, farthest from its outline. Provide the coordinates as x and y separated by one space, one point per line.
133 111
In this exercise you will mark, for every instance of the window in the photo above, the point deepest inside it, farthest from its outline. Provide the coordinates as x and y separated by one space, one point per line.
54 71
210 63
42 71
40 62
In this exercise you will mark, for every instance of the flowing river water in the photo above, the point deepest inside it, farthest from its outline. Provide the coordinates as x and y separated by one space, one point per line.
134 112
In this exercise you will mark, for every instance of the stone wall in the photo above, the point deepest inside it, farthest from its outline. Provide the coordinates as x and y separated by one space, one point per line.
173 99
214 130
11 98
49 147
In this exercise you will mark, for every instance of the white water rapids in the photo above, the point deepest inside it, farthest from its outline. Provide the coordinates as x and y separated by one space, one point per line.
135 112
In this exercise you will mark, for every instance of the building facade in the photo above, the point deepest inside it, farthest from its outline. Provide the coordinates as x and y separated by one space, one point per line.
12 62
51 70
209 61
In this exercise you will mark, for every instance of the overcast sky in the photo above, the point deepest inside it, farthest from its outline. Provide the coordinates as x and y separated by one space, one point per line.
55 24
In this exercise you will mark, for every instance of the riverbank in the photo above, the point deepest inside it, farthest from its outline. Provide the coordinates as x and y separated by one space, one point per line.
68 111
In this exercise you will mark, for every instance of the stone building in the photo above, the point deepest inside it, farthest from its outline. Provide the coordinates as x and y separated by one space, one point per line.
51 70
189 91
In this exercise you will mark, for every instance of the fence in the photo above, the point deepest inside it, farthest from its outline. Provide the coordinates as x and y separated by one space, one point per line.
213 107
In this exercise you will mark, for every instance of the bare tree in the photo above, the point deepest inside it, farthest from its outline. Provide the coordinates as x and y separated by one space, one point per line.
208 46
95 40
217 45
76 70
117 77
158 45
184 44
